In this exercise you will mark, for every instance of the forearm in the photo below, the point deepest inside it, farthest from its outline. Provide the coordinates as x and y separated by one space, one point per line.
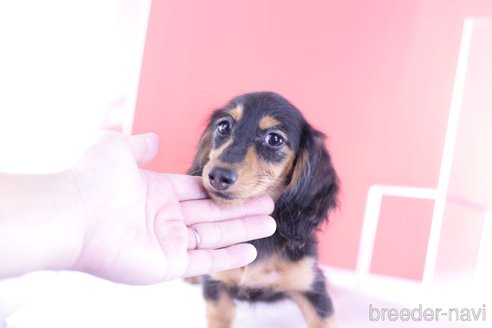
40 223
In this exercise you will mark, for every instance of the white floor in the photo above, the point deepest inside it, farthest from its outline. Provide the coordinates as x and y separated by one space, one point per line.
66 299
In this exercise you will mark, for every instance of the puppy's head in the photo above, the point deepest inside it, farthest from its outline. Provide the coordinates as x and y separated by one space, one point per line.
260 143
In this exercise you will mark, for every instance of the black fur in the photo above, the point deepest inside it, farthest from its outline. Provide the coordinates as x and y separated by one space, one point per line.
212 289
318 297
304 203
303 207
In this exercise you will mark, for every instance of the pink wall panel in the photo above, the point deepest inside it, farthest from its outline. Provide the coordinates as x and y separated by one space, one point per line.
409 219
457 251
375 76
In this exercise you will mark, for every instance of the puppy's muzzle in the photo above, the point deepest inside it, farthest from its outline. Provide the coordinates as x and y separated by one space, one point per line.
222 178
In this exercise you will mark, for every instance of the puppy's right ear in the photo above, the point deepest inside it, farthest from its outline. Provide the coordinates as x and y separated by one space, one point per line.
201 157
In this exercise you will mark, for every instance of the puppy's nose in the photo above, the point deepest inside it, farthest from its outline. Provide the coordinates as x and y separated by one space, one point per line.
221 178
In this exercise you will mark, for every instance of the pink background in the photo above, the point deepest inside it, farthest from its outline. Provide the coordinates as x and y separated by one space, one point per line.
375 76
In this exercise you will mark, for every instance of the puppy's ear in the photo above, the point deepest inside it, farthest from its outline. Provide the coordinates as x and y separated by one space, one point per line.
201 157
311 193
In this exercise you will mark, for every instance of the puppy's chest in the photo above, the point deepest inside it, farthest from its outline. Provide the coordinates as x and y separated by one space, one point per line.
272 273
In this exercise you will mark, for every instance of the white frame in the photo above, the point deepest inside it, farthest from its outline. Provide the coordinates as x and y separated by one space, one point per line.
392 287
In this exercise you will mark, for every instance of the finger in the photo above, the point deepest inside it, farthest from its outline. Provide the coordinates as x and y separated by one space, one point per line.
205 210
164 188
207 261
144 146
187 187
225 233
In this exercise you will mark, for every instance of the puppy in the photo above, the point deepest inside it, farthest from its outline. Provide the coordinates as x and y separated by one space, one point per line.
260 143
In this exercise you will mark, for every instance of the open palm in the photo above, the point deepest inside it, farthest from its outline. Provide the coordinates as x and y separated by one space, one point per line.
137 222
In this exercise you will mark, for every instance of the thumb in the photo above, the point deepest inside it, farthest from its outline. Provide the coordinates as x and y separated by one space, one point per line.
144 147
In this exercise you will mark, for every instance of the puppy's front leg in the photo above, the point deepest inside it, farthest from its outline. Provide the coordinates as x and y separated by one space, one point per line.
221 309
315 304
315 317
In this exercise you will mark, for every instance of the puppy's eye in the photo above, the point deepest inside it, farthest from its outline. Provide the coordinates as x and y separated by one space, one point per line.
224 128
274 140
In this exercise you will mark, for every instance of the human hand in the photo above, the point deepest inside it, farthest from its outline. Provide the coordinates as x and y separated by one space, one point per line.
137 222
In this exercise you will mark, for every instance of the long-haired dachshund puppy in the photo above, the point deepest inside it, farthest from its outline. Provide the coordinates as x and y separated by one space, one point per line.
260 143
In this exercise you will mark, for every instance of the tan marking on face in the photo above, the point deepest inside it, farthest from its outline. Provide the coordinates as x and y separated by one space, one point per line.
267 122
213 160
215 153
255 176
221 313
273 273
237 112
309 313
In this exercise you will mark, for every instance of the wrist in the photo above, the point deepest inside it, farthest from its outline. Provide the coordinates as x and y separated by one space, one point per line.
70 224
40 222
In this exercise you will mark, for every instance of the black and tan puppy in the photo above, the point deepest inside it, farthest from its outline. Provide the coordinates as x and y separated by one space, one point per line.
260 143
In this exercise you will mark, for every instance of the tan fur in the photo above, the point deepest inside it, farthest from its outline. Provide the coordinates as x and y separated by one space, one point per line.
267 122
221 313
255 176
272 273
295 278
229 277
309 313
301 163
237 112
193 280
215 153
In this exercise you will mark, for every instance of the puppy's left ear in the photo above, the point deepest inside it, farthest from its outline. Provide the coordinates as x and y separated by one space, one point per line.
312 191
